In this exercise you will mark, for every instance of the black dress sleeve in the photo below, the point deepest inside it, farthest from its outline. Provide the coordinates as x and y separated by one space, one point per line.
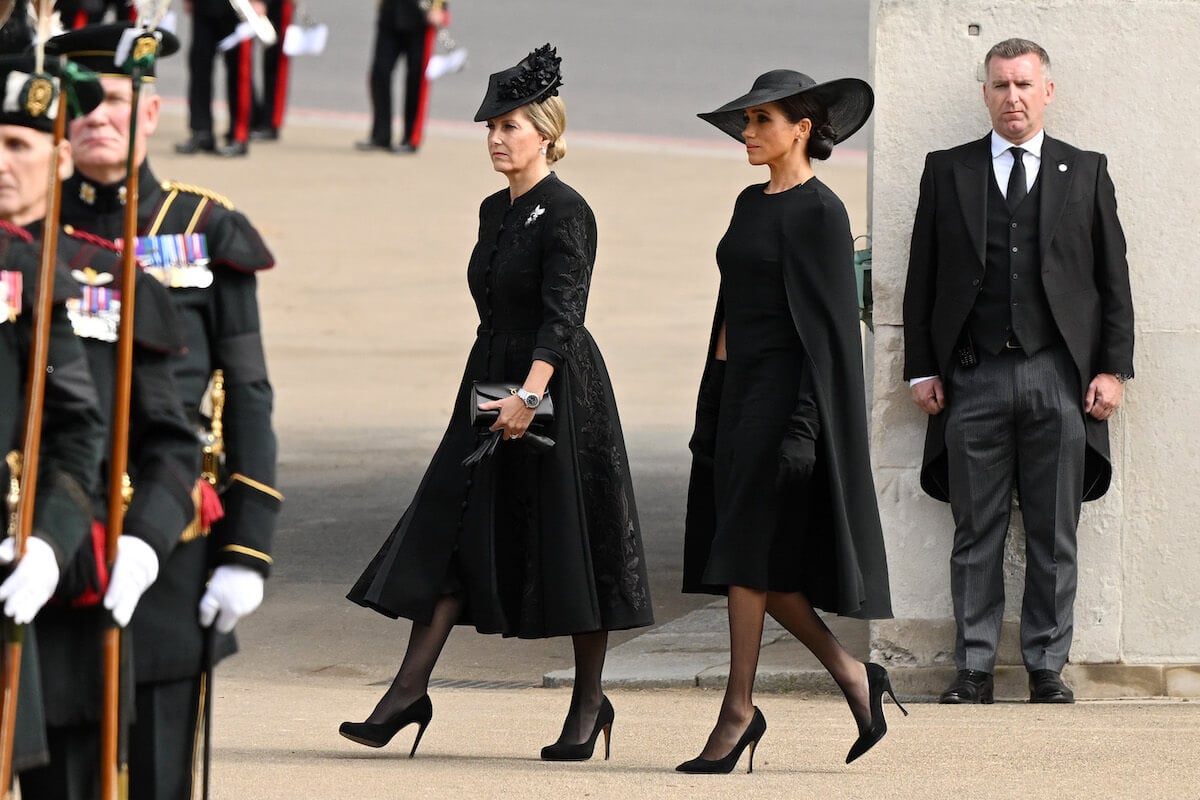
568 258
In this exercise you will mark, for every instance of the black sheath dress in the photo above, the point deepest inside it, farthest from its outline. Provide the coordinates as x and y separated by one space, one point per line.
766 379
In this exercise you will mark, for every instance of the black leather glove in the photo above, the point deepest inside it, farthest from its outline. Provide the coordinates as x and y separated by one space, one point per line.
797 457
703 443
488 442
798 450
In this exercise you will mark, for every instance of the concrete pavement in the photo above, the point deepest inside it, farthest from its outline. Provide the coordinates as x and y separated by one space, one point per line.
367 320
278 740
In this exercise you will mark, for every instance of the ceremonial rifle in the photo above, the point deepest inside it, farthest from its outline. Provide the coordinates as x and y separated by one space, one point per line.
144 48
23 466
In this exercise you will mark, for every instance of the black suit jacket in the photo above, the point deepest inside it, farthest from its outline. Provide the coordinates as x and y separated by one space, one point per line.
1084 274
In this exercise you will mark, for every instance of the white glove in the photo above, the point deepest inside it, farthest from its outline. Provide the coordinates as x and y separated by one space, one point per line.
233 592
32 582
132 575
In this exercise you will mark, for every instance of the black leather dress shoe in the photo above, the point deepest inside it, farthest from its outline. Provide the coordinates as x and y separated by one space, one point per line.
233 150
196 143
969 686
371 144
1046 686
405 147
265 133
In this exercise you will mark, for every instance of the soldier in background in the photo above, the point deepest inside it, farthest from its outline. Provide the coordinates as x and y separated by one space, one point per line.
269 107
209 255
78 13
212 21
403 28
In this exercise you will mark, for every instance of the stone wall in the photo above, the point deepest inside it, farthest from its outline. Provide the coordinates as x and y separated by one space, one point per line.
1125 79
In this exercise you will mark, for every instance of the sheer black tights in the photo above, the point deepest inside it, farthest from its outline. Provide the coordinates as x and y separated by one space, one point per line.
425 644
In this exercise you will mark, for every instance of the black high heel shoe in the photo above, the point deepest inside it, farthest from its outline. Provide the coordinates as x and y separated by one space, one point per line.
583 751
723 766
377 734
869 735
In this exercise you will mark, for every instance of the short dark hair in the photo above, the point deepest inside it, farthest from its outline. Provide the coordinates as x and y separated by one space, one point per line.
804 106
1013 48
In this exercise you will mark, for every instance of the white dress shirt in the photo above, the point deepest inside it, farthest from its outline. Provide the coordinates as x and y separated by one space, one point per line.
1002 160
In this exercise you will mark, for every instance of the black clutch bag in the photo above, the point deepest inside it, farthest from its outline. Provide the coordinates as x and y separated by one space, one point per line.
487 391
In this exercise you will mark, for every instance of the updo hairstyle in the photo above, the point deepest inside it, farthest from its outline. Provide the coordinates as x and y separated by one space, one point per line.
549 117
805 106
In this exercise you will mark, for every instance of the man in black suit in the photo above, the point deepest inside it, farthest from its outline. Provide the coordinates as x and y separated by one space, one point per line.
1018 329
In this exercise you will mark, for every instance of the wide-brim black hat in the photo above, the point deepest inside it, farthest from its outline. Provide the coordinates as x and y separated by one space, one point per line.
535 79
95 47
33 100
848 100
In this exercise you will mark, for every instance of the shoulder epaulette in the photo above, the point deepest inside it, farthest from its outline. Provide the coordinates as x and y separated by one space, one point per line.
176 186
91 238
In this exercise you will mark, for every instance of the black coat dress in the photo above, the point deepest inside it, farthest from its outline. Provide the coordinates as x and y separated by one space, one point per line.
825 541
539 544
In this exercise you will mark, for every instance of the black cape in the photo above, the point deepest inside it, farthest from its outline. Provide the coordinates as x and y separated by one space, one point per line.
845 563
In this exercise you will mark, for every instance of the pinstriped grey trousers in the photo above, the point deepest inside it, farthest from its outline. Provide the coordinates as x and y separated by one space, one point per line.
1015 420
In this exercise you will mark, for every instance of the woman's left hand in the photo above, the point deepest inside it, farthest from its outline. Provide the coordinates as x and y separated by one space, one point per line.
515 416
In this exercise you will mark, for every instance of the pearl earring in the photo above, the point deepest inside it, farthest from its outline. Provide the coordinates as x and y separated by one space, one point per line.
543 149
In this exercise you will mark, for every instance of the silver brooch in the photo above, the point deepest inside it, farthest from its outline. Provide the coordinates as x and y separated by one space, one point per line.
533 215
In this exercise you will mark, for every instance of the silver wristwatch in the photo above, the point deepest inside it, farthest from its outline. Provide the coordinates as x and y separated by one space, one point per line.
531 399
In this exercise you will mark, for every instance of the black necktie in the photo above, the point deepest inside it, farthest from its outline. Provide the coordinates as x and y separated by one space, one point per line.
1017 187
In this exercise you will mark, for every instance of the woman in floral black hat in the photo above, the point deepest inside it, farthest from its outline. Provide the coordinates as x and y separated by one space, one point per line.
782 515
519 530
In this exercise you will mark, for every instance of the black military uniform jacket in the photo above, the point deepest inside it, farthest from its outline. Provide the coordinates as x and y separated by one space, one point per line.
164 453
71 423
164 465
69 457
207 254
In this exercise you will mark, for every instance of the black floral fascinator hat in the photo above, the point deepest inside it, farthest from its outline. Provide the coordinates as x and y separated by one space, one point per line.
534 80
848 100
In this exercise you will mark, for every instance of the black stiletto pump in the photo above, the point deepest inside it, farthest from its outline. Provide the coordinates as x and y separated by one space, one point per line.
869 735
723 766
377 734
583 751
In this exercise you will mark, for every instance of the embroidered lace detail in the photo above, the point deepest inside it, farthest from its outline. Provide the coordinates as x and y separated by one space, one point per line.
571 287
607 488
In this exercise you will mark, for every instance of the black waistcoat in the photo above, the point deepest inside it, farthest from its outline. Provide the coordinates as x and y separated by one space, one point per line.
1012 301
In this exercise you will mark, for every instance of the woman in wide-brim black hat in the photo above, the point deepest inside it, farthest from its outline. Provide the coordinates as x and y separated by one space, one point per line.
782 515
509 536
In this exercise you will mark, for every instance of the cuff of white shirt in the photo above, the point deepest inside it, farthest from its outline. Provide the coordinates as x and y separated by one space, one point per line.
915 381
